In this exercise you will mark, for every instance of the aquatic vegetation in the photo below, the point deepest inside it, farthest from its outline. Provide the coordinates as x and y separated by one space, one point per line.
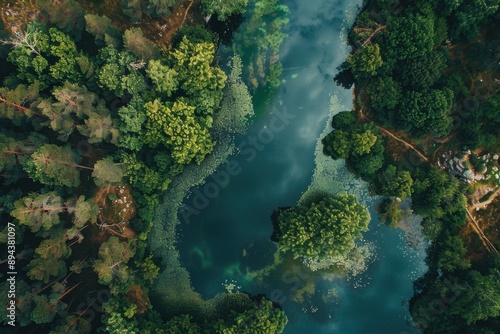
257 42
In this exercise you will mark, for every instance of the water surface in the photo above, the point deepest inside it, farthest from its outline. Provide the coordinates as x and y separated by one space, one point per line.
231 227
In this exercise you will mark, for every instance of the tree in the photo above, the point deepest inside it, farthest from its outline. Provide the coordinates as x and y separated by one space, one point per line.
107 172
182 324
409 36
16 104
113 256
344 120
84 211
428 112
394 183
54 165
452 253
385 94
480 299
423 72
119 72
469 16
224 8
433 190
202 82
104 31
264 318
177 128
324 228
44 311
363 142
54 247
38 211
164 78
131 118
337 144
99 127
43 269
365 62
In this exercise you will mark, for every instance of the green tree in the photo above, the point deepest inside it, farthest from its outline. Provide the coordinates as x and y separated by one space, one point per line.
385 94
107 172
120 72
423 72
468 18
54 165
131 118
181 324
480 299
54 247
236 104
177 128
362 143
99 127
16 105
264 318
113 257
43 269
452 253
337 144
44 311
324 228
344 120
365 62
428 112
409 36
203 82
38 211
392 182
84 211
164 78
433 191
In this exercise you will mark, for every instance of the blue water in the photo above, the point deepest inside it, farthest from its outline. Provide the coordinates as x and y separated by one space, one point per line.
273 168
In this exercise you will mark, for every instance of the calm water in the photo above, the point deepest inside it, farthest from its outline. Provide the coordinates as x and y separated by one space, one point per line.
274 167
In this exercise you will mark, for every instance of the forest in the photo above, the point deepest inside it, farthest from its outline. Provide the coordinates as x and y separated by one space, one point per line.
425 76
102 110
95 122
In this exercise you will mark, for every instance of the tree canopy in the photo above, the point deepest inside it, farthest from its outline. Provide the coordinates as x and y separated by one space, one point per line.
326 227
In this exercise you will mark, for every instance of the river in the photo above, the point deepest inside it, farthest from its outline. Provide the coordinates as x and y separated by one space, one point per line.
274 167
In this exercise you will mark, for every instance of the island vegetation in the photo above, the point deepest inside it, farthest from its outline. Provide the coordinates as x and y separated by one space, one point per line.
425 127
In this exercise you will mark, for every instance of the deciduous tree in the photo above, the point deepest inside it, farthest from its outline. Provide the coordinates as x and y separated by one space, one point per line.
38 211
324 228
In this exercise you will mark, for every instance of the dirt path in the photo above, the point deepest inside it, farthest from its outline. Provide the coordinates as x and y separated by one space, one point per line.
487 243
420 154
